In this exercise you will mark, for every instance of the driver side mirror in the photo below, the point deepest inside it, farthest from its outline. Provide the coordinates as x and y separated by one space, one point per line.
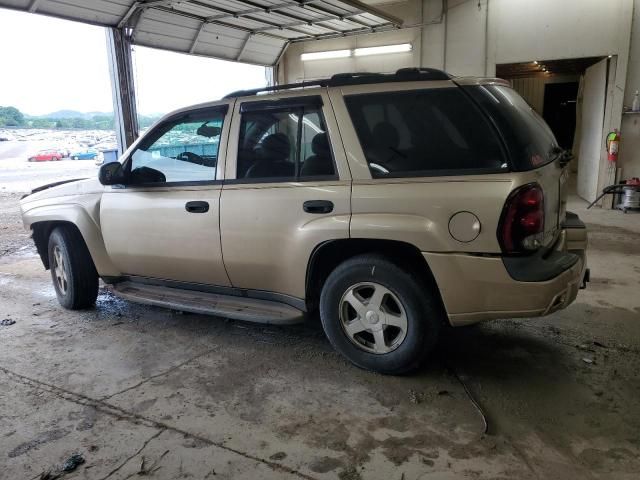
111 174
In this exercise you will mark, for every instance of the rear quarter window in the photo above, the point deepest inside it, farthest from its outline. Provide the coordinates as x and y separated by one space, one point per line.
424 133
527 136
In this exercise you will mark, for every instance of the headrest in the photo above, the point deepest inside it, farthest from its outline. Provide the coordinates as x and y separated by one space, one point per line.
320 144
386 135
276 146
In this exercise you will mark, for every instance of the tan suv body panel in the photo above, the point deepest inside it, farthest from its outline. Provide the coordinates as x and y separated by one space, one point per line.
77 203
148 233
257 236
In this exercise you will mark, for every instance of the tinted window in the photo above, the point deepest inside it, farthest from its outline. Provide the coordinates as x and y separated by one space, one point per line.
284 144
529 139
424 132
182 150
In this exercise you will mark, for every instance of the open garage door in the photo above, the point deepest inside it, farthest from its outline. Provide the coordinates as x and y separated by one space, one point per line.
594 97
246 31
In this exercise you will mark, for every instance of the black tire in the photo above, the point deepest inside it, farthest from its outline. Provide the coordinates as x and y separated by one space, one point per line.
424 316
74 158
80 289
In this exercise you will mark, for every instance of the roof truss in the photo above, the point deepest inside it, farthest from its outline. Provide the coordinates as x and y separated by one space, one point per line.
252 31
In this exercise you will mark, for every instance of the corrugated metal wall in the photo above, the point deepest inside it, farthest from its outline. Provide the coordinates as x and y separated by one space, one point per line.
532 90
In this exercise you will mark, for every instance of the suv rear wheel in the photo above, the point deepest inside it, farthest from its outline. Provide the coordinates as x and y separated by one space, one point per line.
74 276
378 315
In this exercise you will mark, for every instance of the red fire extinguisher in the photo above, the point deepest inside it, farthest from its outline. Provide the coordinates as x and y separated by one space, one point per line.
613 146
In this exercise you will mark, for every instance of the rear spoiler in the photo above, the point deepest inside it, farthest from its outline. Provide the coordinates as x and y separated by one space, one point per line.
481 81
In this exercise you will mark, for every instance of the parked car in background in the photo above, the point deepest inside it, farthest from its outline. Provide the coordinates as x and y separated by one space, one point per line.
88 154
46 155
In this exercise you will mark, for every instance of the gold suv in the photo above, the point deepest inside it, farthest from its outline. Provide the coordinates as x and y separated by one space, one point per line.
392 204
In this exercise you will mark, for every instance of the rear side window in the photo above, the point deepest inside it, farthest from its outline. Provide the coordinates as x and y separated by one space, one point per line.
528 138
284 144
424 133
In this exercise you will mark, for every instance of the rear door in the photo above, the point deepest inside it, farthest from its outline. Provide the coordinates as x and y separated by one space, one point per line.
287 190
164 223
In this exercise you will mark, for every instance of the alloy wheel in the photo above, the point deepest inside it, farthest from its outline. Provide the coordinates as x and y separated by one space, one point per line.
373 318
60 270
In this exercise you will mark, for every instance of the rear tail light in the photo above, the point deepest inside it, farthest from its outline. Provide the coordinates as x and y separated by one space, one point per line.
521 226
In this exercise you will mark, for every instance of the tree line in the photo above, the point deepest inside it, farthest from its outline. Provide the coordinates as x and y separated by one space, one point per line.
12 117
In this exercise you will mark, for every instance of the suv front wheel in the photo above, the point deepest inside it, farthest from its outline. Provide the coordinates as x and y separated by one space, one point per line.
378 315
74 276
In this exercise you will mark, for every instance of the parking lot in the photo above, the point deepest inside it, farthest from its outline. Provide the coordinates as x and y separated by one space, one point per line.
18 175
140 390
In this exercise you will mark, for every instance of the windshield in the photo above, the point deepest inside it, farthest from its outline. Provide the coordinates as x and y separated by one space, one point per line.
529 139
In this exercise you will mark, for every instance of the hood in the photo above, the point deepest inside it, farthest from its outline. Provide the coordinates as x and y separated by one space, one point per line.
64 188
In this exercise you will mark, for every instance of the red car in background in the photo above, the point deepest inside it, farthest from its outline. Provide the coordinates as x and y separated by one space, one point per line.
46 155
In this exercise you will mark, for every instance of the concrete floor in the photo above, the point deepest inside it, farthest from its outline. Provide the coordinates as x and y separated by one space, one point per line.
136 389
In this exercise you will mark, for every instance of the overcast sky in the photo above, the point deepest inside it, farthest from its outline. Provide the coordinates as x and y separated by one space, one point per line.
48 64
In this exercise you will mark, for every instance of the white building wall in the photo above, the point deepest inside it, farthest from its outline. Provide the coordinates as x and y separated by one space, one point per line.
630 132
475 35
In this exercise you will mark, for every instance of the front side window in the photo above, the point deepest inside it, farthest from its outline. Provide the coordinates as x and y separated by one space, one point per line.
424 133
284 144
181 150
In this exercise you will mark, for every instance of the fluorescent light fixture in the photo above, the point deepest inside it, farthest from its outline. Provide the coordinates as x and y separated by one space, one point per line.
399 48
325 55
358 52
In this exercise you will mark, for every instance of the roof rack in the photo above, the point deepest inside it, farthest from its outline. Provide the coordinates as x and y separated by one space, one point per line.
358 78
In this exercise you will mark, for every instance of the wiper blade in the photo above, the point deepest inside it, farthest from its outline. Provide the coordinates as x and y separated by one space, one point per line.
564 156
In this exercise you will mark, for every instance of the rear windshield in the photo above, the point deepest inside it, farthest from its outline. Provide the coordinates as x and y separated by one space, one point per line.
528 138
424 133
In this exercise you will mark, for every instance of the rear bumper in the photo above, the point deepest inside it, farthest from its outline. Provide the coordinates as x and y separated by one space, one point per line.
476 288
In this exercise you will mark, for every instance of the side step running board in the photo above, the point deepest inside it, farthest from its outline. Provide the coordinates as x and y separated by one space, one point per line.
237 308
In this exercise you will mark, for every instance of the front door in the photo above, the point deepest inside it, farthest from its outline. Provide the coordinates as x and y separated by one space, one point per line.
287 192
164 223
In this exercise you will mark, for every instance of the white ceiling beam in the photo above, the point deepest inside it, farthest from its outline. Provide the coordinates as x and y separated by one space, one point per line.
197 37
244 47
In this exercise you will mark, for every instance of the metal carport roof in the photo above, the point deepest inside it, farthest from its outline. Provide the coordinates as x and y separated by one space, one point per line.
251 31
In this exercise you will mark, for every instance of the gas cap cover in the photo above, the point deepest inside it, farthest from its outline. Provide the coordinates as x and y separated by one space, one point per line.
464 227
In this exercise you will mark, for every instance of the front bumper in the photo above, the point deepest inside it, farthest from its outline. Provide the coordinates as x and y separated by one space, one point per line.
476 287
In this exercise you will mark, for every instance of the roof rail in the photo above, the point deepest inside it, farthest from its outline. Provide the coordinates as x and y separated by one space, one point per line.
357 78
275 88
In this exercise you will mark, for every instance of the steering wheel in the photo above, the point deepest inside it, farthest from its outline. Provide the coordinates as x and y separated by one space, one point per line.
190 157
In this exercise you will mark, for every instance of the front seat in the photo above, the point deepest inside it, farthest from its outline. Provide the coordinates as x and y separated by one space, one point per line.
273 155
320 163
